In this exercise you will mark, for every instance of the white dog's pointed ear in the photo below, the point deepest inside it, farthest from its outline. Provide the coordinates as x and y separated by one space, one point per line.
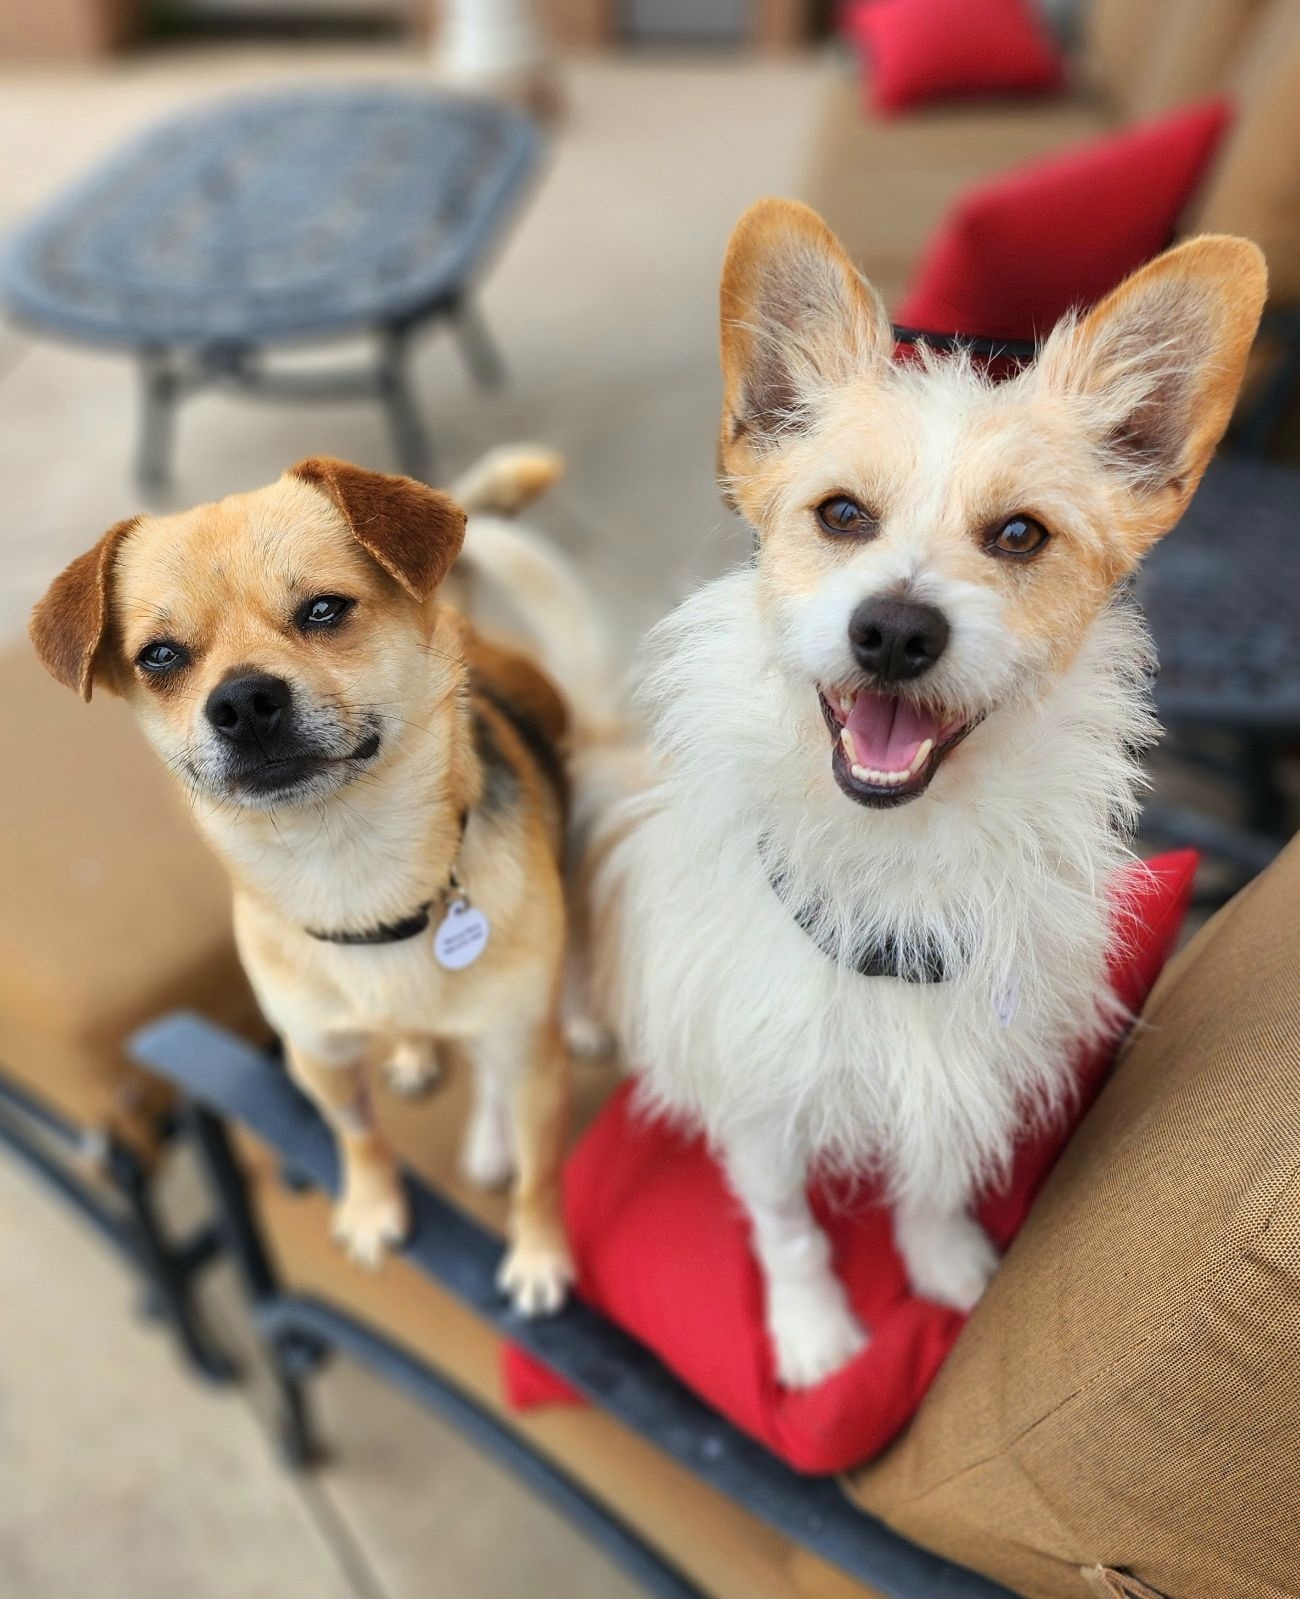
1160 362
797 318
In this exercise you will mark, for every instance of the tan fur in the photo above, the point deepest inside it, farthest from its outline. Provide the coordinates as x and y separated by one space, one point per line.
508 479
225 581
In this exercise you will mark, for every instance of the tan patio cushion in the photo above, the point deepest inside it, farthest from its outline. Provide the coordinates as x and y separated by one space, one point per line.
1123 1401
1193 54
1254 188
884 185
112 910
1119 40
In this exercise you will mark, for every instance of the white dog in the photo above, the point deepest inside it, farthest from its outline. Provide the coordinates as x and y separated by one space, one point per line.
856 916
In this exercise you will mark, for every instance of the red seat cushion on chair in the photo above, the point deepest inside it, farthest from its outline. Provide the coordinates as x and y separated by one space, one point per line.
919 50
662 1247
1016 253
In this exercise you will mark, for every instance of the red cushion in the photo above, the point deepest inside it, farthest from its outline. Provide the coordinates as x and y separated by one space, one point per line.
919 50
1016 253
663 1248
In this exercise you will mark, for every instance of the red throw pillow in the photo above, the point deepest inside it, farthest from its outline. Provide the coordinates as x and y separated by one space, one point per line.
663 1248
1016 253
918 50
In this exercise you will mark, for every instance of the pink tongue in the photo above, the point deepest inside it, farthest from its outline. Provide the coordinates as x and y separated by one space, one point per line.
887 733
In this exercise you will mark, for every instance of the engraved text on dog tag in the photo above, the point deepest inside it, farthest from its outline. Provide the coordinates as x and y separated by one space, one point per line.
462 935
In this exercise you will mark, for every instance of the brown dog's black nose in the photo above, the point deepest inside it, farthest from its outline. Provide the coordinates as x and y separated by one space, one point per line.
251 709
897 639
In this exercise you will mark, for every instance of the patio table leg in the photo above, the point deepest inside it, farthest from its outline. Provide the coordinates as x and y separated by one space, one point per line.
411 443
477 346
160 387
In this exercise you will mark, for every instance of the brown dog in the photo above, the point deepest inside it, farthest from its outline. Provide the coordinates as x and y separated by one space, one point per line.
386 790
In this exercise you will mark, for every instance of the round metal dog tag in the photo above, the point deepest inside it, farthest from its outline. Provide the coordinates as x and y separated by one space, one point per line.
462 936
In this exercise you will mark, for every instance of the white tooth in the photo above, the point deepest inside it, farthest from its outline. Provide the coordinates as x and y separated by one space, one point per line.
846 738
861 773
846 702
920 758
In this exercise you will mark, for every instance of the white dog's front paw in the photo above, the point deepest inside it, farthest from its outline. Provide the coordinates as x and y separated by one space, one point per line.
813 1330
949 1257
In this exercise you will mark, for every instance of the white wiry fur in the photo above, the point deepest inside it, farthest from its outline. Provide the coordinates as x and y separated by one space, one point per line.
743 1027
741 1014
761 1031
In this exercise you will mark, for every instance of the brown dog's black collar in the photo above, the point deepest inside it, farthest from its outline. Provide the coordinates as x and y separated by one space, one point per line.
384 933
409 926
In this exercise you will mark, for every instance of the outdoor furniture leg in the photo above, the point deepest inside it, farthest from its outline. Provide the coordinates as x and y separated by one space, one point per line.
411 443
293 1356
170 1280
477 347
159 392
122 1211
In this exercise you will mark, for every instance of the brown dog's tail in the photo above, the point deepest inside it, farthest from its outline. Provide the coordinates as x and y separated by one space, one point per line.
507 479
538 584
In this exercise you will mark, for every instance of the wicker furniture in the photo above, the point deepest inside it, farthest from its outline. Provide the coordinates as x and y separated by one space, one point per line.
1219 593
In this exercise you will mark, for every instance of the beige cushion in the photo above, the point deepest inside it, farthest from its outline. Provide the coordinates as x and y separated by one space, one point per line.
1120 39
884 185
1254 188
1123 1400
1193 54
113 910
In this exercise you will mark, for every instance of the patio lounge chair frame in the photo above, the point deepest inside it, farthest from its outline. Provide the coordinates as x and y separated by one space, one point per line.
108 1185
224 1079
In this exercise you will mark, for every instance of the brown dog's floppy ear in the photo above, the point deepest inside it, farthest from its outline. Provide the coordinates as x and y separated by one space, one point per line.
797 317
68 624
413 531
1159 363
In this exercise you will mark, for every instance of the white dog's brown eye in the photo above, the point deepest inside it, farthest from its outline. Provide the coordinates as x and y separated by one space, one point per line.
1021 535
323 610
842 516
161 657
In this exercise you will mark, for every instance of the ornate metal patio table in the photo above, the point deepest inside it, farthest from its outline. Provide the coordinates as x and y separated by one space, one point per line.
281 219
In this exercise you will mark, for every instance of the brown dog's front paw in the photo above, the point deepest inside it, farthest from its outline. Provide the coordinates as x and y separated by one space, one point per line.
372 1217
537 1277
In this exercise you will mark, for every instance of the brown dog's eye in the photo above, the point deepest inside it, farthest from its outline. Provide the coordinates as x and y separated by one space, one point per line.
161 657
1021 535
842 516
323 610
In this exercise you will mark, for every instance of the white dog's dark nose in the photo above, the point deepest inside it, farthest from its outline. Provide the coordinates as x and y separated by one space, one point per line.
250 710
897 639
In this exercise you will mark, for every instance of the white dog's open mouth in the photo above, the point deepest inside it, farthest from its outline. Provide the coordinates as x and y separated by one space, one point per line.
886 748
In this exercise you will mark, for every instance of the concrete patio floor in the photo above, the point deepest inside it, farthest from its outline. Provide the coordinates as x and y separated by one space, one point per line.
119 1475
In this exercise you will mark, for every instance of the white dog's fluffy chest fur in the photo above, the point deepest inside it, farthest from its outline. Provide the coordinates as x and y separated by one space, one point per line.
736 1017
